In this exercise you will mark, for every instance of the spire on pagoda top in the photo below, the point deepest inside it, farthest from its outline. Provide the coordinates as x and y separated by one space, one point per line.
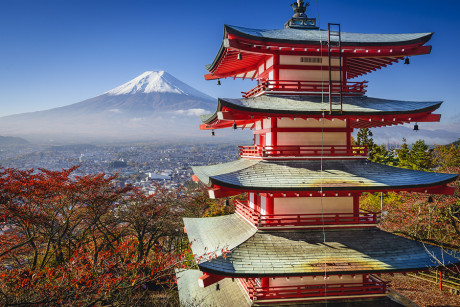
299 8
300 20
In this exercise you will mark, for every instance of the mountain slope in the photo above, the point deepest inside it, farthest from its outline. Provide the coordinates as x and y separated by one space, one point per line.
154 105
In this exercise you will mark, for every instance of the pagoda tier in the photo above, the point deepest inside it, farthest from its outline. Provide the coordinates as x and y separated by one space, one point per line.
296 266
333 177
289 54
358 112
237 249
232 293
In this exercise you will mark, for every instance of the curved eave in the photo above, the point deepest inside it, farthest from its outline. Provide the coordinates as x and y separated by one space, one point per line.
301 253
255 47
384 113
421 38
306 176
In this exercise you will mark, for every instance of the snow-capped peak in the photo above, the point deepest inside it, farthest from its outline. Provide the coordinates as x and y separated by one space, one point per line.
156 82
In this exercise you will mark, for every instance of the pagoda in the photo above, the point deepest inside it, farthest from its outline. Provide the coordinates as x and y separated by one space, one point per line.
301 237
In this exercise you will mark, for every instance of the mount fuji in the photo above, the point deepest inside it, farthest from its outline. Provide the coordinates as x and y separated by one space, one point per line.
152 106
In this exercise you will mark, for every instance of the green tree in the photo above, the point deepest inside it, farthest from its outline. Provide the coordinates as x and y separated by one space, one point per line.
403 153
380 154
364 138
418 157
421 156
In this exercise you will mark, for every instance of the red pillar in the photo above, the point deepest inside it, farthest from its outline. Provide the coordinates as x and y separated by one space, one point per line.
257 203
440 280
349 131
274 134
269 205
276 70
356 203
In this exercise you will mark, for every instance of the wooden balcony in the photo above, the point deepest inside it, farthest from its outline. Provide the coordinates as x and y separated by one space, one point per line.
370 285
282 221
299 151
284 87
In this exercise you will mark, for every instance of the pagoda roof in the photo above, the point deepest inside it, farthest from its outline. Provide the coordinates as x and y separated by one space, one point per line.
304 253
361 108
231 293
255 44
315 175
315 37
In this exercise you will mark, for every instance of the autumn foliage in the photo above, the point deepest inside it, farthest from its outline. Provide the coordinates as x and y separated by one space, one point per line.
84 241
433 219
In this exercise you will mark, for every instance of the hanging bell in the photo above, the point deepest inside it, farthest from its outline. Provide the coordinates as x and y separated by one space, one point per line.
416 127
406 61
213 133
430 199
239 57
227 203
218 82
234 126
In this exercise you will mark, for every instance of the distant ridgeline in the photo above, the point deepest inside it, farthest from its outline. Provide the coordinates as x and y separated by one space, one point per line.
11 140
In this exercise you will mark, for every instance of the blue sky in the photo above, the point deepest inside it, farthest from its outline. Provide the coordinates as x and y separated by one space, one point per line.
55 53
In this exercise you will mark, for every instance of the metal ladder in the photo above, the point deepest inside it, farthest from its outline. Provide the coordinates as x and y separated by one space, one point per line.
337 44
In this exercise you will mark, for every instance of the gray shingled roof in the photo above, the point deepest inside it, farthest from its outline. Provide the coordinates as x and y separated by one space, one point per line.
306 175
231 294
288 253
217 233
313 105
191 295
309 36
355 302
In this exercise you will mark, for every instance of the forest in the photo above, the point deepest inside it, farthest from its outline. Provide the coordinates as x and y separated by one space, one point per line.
84 241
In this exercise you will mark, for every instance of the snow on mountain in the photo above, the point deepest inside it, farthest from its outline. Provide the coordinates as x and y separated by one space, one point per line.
156 81
154 105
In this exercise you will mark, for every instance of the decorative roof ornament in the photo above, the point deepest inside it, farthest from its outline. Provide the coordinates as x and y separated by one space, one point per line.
300 20
299 8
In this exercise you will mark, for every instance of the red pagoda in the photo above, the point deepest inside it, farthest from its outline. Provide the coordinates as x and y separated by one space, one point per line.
301 237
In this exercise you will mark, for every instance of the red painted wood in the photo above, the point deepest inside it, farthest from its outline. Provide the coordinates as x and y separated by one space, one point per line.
365 121
269 205
356 204
225 192
255 51
363 218
370 285
350 130
208 279
274 134
296 129
276 68
276 86
302 151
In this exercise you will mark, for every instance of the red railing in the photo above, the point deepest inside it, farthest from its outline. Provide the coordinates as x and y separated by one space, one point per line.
307 87
245 211
302 151
317 219
371 285
279 220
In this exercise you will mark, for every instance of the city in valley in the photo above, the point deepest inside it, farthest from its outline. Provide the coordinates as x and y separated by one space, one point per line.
140 165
